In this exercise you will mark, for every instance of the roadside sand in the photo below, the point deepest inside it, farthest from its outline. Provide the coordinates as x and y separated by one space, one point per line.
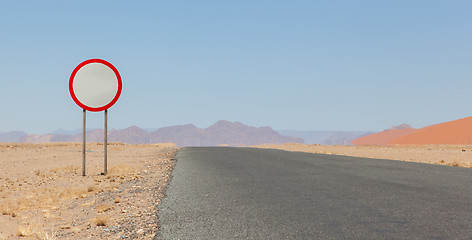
451 155
43 194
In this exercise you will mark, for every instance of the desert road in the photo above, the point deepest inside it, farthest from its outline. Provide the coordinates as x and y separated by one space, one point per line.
246 193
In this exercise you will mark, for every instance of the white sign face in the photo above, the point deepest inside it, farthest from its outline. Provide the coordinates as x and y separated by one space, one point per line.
95 85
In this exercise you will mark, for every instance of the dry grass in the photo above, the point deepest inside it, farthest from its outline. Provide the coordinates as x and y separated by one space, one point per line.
36 230
122 170
42 198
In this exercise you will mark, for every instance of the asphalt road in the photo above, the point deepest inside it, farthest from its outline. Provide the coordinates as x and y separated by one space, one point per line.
244 193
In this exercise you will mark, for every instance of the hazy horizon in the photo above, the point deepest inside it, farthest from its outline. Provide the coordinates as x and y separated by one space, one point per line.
151 129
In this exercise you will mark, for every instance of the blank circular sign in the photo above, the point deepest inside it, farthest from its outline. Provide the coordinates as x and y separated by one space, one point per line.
95 85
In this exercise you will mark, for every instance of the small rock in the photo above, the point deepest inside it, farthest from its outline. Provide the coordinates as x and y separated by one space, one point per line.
140 231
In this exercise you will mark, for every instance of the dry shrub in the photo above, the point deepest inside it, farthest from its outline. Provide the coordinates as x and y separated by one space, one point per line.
89 203
23 231
76 229
29 202
41 234
103 207
91 188
7 209
45 235
49 215
454 164
100 220
65 226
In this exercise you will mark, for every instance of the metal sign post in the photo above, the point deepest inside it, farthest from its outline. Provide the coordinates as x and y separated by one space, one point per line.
95 85
83 148
106 140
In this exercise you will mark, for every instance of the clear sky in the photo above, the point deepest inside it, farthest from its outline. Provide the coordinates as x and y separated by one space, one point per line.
295 65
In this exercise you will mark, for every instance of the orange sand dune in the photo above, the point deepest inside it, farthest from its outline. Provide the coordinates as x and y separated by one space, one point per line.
382 138
453 132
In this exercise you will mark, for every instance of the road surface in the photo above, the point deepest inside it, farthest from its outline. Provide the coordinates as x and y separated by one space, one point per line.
245 193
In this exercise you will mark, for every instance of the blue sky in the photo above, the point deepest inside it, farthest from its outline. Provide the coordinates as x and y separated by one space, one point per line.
297 65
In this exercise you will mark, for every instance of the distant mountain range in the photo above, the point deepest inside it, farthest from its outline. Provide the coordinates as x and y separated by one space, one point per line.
237 134
221 133
326 137
14 136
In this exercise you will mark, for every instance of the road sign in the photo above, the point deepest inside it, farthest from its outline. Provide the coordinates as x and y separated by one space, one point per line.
95 85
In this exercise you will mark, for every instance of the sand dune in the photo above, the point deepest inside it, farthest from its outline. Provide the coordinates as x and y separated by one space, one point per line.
384 137
453 132
457 132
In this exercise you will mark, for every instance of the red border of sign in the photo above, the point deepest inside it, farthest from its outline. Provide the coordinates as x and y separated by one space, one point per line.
71 82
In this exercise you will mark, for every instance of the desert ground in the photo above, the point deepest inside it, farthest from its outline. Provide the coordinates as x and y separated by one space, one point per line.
451 155
43 194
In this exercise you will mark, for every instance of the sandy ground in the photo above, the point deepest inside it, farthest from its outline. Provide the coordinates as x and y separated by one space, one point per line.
452 155
43 194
